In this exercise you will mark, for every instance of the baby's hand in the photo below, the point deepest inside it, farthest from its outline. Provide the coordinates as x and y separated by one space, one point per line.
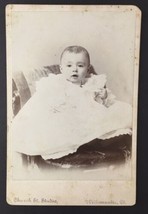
101 93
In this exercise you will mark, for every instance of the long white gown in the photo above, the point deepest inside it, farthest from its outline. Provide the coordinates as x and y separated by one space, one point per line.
61 116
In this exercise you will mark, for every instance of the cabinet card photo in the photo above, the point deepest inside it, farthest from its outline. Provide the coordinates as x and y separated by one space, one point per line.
72 94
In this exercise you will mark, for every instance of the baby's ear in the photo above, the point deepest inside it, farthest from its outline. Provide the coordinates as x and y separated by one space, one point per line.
89 66
89 69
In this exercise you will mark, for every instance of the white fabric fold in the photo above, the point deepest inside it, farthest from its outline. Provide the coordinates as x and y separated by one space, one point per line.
61 116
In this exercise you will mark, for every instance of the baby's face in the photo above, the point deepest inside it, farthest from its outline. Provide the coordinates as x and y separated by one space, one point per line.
74 66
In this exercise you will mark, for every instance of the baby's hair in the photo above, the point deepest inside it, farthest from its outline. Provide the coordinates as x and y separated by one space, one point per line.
76 49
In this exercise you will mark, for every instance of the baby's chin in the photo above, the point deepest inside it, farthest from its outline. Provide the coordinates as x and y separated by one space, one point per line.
75 80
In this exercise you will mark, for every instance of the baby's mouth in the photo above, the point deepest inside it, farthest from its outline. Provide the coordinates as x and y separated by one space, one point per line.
74 76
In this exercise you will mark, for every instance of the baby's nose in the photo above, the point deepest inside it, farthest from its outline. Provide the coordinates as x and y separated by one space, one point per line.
75 69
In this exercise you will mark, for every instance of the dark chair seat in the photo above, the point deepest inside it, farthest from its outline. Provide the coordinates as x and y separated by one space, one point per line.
96 153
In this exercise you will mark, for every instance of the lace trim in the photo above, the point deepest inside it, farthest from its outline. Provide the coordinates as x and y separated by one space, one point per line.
116 133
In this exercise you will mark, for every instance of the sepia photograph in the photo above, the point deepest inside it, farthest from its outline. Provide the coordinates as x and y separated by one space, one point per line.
72 93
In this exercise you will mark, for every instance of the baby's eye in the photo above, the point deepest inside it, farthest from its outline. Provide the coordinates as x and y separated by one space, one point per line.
81 66
69 65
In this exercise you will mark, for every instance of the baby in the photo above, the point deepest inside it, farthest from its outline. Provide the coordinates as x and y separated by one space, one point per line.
68 110
75 66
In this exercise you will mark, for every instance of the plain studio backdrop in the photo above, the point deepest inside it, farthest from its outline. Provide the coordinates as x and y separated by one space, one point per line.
39 37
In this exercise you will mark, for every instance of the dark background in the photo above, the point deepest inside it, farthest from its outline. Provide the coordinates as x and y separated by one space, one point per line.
142 144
